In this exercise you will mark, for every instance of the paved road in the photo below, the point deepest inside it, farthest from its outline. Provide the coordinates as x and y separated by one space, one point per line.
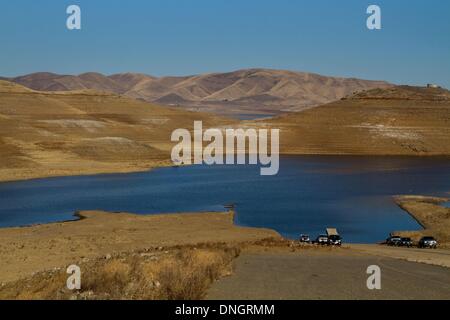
439 257
303 275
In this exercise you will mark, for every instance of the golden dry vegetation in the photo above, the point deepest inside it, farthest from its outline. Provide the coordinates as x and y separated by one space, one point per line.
84 132
181 273
395 121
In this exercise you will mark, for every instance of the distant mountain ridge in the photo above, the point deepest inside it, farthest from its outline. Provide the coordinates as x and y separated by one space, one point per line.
243 91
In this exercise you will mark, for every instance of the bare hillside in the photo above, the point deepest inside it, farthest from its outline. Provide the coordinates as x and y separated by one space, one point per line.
80 132
394 121
252 91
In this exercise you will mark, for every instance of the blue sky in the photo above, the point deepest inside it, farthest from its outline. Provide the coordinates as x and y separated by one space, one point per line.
180 37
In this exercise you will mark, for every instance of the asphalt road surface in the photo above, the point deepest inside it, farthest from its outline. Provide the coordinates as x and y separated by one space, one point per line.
291 276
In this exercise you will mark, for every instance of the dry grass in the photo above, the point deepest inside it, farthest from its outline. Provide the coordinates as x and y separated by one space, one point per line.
395 121
181 273
72 133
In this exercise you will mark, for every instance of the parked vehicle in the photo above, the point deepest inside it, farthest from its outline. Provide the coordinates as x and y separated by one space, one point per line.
322 240
335 240
428 242
304 238
393 241
406 242
332 232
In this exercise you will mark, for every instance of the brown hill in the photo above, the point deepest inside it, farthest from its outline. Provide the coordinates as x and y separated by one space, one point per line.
127 81
258 91
45 81
394 121
81 132
404 93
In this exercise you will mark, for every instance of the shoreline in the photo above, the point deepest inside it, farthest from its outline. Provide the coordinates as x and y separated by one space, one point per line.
5 178
31 249
88 172
429 212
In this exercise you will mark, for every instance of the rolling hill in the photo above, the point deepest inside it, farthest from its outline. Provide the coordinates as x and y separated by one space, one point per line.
401 120
80 132
244 92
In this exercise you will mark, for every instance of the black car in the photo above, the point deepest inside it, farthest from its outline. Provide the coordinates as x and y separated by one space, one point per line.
406 242
335 240
393 241
428 242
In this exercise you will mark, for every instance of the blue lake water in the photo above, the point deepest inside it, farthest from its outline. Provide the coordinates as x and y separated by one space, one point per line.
353 194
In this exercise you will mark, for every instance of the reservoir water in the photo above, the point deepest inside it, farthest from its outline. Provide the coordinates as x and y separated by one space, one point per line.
310 193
